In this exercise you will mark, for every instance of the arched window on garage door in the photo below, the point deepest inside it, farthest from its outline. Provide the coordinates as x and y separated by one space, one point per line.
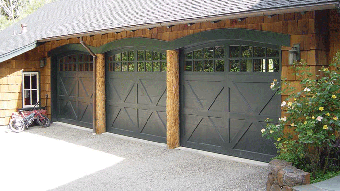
226 97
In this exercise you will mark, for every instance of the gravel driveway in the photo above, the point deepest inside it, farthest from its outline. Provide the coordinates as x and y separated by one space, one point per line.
65 157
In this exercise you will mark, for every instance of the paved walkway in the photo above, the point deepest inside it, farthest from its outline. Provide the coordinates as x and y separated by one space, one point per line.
62 157
332 184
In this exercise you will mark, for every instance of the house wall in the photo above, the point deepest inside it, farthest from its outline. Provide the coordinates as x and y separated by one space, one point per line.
334 34
309 29
11 82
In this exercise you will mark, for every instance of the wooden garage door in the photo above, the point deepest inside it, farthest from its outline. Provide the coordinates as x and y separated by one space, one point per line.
75 89
136 94
226 97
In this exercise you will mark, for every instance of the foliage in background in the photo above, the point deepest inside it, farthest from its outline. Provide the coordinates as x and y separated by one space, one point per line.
12 11
308 133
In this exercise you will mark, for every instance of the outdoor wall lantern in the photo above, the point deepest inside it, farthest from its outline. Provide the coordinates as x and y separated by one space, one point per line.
294 54
42 62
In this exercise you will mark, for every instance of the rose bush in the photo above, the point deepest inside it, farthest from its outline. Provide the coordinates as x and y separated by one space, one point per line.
308 133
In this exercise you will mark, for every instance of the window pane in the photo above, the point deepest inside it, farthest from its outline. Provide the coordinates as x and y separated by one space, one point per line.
247 51
118 57
124 67
34 81
259 52
61 67
141 67
131 67
34 97
86 67
148 66
188 55
209 66
156 67
163 56
27 97
272 53
27 82
117 67
273 65
124 56
81 67
148 55
163 66
198 54
246 65
219 52
111 58
131 55
208 53
188 66
91 66
259 65
198 66
219 65
234 51
234 66
140 55
156 56
80 58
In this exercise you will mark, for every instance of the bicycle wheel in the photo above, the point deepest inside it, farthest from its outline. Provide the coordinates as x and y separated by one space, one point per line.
17 125
43 121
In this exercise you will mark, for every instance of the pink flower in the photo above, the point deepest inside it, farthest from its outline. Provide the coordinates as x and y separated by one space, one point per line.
319 118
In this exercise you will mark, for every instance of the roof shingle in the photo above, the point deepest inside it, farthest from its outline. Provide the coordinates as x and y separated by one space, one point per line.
67 17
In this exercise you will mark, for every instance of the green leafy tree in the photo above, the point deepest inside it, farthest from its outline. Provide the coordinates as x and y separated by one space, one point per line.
12 11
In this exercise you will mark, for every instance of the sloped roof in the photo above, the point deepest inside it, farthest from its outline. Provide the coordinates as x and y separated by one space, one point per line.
75 17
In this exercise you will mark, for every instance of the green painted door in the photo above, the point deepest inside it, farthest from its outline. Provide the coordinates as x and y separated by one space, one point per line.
136 94
75 89
226 97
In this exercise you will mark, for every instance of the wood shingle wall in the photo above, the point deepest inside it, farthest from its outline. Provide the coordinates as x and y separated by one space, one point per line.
316 32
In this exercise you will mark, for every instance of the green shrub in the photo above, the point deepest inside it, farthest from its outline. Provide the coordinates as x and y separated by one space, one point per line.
308 134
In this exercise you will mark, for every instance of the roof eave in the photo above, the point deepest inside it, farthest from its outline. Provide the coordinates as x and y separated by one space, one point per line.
18 51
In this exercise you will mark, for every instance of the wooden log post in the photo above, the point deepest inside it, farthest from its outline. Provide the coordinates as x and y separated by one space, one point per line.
172 99
100 94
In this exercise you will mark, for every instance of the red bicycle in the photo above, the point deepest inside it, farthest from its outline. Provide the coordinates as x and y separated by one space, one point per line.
23 119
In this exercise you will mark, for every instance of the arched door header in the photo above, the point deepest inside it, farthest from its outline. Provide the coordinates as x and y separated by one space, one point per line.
223 35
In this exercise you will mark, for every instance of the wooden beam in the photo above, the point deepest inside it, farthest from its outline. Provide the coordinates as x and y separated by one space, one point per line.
100 97
172 101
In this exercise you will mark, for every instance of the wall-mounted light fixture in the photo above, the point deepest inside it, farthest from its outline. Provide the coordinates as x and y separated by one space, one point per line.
294 54
42 62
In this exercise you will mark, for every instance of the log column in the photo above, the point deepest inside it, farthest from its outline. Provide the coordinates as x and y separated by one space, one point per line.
100 94
172 98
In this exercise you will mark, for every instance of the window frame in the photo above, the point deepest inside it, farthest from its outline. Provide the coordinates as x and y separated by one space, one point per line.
30 89
110 60
226 45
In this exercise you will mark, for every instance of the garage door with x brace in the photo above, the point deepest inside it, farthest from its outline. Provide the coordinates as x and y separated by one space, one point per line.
75 89
136 94
226 97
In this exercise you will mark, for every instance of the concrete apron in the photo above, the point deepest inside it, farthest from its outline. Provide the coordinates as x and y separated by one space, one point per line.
67 157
